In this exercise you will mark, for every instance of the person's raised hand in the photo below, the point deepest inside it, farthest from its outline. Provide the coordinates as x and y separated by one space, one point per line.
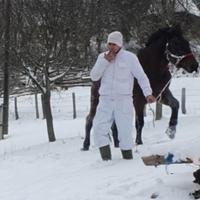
110 56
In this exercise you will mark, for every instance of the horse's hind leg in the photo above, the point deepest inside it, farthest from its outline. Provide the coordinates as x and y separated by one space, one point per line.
88 126
139 120
170 100
115 134
94 100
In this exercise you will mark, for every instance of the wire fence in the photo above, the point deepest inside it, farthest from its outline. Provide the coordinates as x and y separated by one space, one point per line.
62 104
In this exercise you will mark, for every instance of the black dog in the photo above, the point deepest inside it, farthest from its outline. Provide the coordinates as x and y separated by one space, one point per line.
196 193
196 175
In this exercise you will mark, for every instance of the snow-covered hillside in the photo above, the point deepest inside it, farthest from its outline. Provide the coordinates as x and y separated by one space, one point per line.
31 168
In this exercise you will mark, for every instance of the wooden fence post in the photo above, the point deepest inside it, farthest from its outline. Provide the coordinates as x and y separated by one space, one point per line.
36 106
183 100
1 122
158 111
74 105
16 109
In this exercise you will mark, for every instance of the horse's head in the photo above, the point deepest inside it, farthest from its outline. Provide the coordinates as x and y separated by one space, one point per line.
178 51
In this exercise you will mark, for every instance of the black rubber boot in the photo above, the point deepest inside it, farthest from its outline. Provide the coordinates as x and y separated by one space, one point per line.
127 154
105 152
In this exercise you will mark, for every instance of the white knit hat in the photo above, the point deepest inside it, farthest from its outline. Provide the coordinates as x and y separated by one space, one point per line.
116 38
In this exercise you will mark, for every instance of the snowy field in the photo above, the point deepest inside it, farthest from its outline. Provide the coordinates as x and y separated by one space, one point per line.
31 168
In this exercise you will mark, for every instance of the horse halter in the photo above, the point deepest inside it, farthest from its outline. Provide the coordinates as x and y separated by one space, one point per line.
178 58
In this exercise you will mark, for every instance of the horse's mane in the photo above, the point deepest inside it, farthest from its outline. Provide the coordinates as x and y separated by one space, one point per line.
167 32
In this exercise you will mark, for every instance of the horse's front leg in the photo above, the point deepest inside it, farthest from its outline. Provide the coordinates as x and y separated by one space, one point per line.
139 123
139 120
170 100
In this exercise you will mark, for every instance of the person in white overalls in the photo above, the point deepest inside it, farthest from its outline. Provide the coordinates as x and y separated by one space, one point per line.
117 69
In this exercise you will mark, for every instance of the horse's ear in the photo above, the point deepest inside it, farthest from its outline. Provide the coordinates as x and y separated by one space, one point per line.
177 29
174 30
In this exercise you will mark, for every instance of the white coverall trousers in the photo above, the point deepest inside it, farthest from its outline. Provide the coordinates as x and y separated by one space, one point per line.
120 109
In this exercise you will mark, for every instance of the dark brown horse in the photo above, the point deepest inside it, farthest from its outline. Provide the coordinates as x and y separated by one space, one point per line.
164 46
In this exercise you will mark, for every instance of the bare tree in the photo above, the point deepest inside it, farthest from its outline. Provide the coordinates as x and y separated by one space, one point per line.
42 48
7 10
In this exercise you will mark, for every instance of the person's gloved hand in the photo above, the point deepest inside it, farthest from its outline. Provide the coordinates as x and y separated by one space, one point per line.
150 99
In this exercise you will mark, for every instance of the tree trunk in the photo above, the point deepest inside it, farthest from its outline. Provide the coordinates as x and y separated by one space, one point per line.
49 118
6 69
1 122
43 106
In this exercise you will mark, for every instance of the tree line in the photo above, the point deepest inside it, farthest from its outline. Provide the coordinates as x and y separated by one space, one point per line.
66 35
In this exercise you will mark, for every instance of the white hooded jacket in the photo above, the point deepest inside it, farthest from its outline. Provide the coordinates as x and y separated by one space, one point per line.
117 77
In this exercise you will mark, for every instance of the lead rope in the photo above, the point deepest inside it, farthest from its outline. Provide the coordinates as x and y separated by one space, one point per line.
158 98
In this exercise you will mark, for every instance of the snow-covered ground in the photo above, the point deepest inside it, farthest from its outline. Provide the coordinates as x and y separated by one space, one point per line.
31 168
